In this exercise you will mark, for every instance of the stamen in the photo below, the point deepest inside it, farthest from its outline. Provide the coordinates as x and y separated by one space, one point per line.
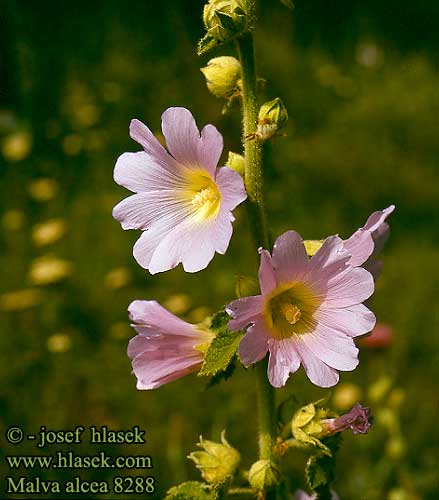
291 312
206 195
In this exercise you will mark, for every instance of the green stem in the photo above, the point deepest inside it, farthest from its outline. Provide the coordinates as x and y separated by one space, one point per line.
252 147
254 186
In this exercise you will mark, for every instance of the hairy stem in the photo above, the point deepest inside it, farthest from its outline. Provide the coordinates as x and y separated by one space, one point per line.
254 187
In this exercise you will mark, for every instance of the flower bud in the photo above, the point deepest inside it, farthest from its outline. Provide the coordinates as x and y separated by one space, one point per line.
263 474
272 117
306 426
222 75
236 162
218 462
225 19
359 420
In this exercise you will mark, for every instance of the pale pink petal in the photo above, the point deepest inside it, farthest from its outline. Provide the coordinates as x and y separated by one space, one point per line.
330 259
183 138
284 360
353 321
231 186
150 313
267 278
140 172
244 311
375 267
290 259
188 243
348 288
332 347
318 372
253 346
140 210
210 147
380 236
222 230
141 134
360 246
377 218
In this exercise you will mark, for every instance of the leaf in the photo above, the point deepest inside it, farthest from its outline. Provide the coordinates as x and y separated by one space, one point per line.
222 376
223 347
206 44
191 490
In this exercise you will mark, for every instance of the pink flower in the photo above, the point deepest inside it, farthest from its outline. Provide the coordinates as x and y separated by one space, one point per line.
166 347
358 419
182 201
308 312
301 495
369 240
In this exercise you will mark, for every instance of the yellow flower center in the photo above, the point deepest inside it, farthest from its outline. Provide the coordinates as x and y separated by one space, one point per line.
203 195
289 310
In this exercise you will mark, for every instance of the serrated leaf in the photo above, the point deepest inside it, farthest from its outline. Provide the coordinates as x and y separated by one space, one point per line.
318 471
206 44
223 347
222 376
191 490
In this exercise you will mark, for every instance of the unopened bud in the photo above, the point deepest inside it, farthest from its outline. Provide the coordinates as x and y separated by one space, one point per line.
225 19
236 162
222 75
359 420
218 462
263 474
271 118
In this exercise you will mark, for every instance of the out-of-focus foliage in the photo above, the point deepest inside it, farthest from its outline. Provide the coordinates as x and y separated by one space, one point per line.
360 83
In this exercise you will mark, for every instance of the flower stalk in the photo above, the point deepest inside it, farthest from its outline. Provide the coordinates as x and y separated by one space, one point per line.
253 176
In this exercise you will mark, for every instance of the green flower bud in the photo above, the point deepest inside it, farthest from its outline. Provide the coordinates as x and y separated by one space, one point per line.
263 474
225 19
218 462
222 76
272 117
306 425
236 162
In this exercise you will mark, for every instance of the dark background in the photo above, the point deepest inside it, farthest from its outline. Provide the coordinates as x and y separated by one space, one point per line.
360 81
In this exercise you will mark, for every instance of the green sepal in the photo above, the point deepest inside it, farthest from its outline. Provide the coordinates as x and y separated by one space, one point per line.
222 348
206 44
191 490
227 21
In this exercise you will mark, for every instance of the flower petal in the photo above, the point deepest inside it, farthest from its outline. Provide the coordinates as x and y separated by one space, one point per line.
290 259
210 148
244 311
231 186
183 138
330 259
348 288
284 360
317 371
267 278
332 347
254 345
141 134
353 321
151 314
360 246
377 218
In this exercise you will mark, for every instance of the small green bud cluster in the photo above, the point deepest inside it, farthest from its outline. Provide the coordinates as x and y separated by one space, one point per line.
225 19
218 462
272 116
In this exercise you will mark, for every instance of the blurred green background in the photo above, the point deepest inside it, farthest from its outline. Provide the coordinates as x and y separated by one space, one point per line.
360 81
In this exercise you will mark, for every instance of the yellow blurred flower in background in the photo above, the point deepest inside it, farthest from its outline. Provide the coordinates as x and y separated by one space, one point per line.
47 269
43 189
19 300
17 146
48 232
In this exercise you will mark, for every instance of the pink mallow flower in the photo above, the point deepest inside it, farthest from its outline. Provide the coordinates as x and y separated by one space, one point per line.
166 347
183 203
369 240
308 312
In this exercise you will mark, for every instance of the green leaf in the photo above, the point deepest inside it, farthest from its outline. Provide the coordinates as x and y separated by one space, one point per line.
192 490
223 347
206 44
